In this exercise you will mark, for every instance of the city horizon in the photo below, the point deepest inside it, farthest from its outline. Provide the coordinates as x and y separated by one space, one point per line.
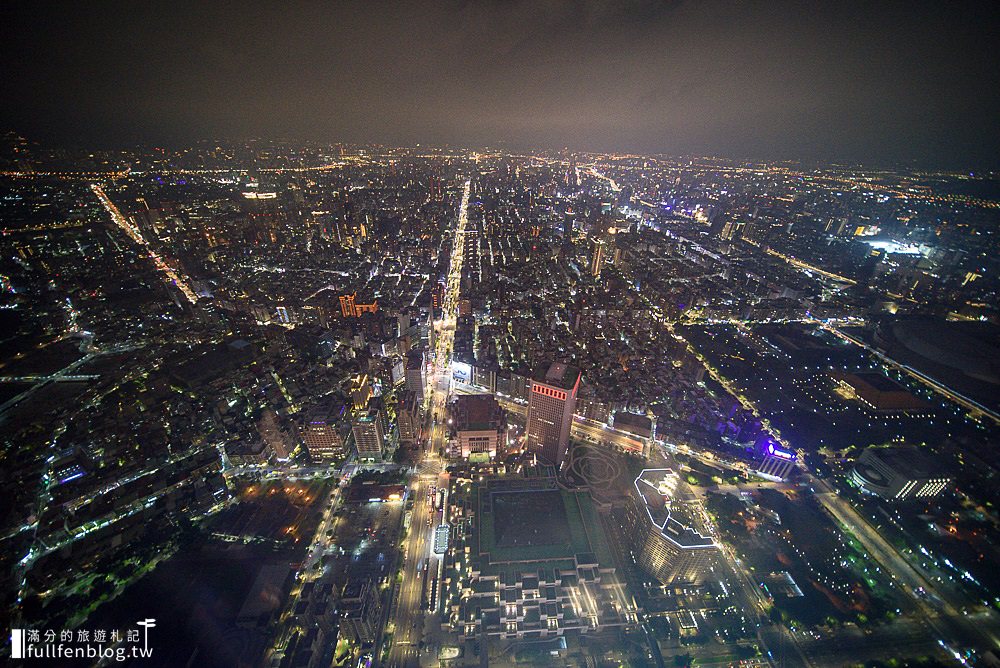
513 148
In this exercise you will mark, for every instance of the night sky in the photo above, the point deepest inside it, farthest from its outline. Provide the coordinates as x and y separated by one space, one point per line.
860 81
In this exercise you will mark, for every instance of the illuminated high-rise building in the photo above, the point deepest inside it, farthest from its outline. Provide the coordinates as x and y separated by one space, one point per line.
361 391
775 462
732 229
479 425
551 403
369 426
416 373
275 436
351 308
665 544
360 610
436 192
437 296
408 417
597 259
323 431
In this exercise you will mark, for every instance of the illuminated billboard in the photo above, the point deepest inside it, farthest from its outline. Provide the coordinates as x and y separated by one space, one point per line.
462 372
778 452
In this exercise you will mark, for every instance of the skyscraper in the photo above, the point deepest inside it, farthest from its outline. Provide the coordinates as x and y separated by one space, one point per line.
360 609
479 425
774 462
666 545
369 428
408 412
323 431
274 435
551 403
597 259
350 307
437 296
361 391
416 373
732 229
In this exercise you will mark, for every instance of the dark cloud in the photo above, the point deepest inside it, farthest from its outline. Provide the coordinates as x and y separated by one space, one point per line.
842 80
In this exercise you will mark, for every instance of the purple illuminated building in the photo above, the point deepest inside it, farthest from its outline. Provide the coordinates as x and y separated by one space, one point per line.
775 462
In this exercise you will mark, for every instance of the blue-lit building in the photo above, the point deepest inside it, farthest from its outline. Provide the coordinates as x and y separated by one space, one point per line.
774 462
